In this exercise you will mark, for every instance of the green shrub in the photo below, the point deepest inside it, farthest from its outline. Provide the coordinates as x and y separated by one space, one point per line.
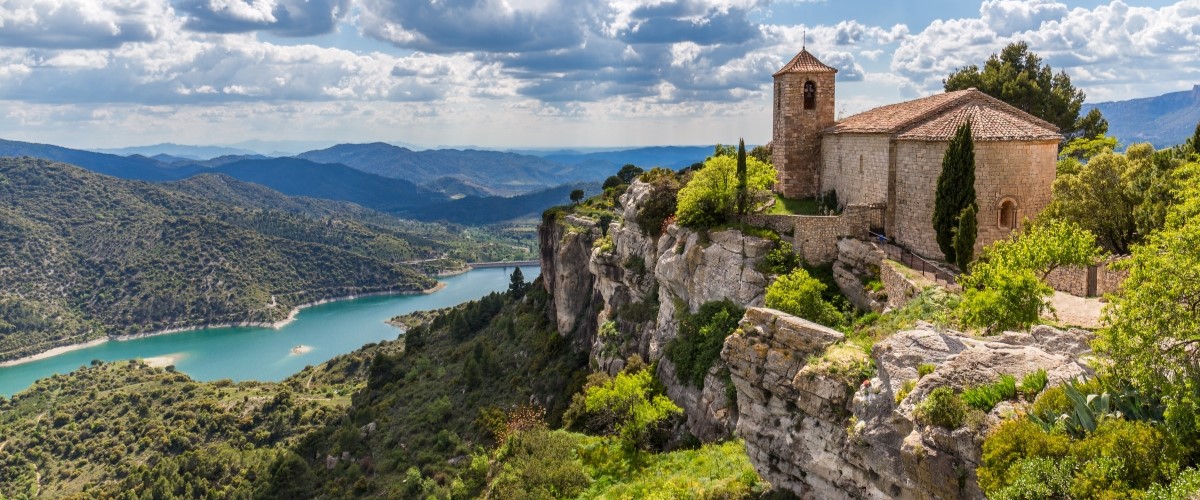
1118 460
539 463
1051 403
781 259
710 197
1010 443
605 244
661 202
1038 477
639 312
985 397
636 265
1186 486
924 369
943 408
1033 383
633 403
906 388
799 294
1005 291
701 337
1123 456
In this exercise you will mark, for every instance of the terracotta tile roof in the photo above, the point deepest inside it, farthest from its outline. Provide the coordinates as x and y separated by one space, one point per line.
804 62
937 117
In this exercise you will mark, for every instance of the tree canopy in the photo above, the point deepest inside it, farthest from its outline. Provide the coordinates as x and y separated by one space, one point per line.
1154 328
1018 77
1120 198
710 197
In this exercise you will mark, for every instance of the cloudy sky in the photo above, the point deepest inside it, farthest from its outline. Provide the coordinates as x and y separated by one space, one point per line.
528 73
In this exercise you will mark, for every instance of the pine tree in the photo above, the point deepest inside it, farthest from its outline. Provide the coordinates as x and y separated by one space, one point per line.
964 236
516 284
955 188
743 190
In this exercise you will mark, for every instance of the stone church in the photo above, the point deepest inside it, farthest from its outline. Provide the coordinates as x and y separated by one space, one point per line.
892 155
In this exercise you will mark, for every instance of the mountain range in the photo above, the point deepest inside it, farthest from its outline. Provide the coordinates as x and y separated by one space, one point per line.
1163 121
462 186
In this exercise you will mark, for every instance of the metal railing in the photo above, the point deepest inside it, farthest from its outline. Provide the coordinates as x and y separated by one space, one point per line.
913 261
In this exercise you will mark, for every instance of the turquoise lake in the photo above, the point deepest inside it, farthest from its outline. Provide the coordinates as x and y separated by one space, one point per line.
265 354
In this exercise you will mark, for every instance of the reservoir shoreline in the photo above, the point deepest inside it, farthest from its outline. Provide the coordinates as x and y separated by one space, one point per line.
237 324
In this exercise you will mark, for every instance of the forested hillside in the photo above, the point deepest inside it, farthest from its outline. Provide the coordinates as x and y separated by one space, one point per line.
462 406
84 255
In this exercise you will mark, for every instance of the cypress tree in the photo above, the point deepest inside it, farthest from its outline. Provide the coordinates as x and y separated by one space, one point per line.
964 236
743 194
955 188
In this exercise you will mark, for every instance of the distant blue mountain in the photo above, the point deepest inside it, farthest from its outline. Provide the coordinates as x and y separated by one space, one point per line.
179 151
1163 121
291 176
299 177
128 167
674 157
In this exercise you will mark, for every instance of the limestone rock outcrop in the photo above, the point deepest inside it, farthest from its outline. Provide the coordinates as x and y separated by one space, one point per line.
821 437
639 285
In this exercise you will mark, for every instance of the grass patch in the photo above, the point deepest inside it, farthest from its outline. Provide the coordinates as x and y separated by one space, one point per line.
713 471
792 206
844 361
986 396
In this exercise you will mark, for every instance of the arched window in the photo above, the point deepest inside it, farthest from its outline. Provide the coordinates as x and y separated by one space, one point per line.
778 95
810 95
1008 214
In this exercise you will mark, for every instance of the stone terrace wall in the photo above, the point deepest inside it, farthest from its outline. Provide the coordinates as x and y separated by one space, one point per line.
1074 279
816 237
782 224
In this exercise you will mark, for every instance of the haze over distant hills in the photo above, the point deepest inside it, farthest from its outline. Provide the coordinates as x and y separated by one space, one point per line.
1163 121
182 151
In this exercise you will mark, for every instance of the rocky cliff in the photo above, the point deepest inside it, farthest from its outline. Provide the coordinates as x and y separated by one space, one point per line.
810 422
639 283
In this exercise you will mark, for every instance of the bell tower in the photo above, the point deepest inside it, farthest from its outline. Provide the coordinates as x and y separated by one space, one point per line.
802 108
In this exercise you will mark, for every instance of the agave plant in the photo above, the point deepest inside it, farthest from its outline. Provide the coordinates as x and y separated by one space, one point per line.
1087 410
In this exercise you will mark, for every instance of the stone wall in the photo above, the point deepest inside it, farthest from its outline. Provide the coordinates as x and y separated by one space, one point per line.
796 137
1004 170
900 283
782 224
856 165
1074 279
816 237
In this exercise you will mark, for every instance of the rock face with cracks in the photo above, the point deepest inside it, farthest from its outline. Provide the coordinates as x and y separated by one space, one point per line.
821 437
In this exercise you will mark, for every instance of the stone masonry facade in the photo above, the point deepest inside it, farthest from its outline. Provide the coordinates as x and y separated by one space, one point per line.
1009 172
856 166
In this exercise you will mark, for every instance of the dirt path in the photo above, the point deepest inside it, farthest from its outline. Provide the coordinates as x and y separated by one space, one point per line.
1077 311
